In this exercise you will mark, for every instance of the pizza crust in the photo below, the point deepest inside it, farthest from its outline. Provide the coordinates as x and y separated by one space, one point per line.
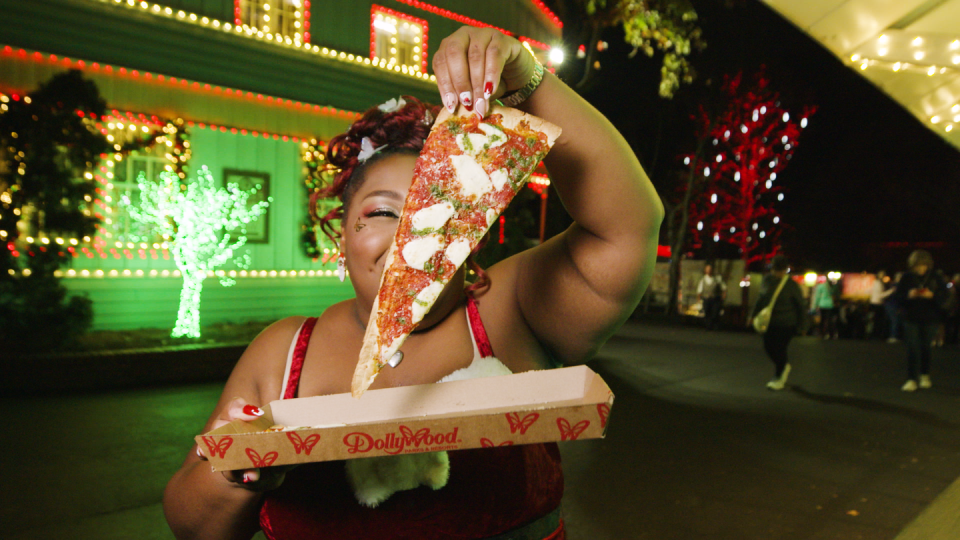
372 355
511 119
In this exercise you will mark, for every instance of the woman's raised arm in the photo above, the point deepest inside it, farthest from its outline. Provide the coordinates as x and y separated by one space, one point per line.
576 289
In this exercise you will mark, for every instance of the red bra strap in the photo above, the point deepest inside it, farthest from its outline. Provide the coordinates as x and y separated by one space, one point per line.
299 354
479 332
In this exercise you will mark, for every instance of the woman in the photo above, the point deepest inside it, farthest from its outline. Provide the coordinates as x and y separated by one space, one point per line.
785 321
825 303
558 302
920 293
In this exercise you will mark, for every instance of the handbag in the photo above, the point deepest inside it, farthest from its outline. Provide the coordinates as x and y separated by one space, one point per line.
761 321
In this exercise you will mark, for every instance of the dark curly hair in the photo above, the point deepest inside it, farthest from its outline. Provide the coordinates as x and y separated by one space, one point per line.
402 132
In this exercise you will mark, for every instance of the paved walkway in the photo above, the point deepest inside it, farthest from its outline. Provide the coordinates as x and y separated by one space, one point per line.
697 448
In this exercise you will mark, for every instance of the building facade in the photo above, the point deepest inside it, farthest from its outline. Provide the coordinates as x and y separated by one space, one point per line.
250 89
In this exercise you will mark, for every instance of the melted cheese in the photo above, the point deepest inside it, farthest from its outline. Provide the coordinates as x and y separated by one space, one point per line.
424 301
491 216
386 351
499 178
476 143
418 251
457 251
432 218
474 182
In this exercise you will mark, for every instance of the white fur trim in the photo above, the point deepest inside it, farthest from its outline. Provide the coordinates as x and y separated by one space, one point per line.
478 369
375 479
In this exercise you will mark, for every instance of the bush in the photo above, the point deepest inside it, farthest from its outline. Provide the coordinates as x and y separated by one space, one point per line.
36 316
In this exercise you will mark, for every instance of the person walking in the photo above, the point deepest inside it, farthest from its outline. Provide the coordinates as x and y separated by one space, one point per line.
786 318
892 307
921 293
711 291
879 292
826 300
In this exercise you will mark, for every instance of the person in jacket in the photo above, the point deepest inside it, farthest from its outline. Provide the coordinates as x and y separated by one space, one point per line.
826 303
786 320
711 291
921 294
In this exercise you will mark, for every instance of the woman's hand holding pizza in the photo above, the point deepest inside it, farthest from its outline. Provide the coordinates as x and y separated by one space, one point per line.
263 479
475 65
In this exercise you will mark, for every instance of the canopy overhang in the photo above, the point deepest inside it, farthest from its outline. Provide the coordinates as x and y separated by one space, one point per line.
910 49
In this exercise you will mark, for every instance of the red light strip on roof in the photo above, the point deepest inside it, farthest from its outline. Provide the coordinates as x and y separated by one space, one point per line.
451 15
550 15
121 72
472 22
534 43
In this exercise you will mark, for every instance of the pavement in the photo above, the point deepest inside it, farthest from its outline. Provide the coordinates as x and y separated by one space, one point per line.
696 448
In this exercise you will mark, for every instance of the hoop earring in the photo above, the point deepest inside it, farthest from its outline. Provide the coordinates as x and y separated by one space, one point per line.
341 267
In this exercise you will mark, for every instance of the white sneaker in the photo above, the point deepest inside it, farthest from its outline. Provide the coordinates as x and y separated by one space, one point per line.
909 386
775 384
925 381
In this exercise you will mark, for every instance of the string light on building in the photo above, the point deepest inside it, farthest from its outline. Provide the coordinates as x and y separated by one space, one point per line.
905 53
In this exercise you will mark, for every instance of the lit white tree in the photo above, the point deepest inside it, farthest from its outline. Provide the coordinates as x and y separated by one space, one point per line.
200 222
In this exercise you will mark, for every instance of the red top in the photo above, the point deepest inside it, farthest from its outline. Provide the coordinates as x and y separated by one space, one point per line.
490 490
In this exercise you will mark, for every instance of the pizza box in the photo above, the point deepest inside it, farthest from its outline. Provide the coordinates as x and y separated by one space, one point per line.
562 404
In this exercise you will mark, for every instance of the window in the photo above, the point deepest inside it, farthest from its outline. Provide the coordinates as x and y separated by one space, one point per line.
124 187
285 19
118 175
398 39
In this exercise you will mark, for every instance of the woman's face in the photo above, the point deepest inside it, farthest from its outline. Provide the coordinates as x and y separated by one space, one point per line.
370 223
920 269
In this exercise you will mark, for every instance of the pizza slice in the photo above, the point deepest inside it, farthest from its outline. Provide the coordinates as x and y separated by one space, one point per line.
467 173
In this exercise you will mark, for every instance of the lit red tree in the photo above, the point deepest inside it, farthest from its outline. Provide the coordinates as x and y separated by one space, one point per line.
744 146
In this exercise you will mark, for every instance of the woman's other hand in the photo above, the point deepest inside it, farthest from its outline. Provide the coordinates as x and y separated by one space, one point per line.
263 479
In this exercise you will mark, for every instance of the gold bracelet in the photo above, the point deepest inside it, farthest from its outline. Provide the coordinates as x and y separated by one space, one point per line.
519 96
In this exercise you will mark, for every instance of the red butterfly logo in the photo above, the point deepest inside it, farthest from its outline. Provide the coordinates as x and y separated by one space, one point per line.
303 444
603 410
487 443
415 438
218 448
266 461
568 433
522 425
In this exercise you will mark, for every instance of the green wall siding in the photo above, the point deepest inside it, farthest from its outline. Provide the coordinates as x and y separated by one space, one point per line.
215 9
173 101
104 32
281 160
127 303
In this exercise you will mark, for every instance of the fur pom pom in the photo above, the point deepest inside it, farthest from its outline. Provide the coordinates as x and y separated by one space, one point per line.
375 479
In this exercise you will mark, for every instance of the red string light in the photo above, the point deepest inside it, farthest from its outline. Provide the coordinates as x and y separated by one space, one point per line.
463 19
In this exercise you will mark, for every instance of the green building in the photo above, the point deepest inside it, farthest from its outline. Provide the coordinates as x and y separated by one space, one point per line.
250 89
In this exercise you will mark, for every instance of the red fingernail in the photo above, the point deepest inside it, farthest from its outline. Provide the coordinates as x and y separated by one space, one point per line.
488 89
246 480
466 99
252 410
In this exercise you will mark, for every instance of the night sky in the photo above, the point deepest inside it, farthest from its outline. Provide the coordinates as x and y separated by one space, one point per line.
867 183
